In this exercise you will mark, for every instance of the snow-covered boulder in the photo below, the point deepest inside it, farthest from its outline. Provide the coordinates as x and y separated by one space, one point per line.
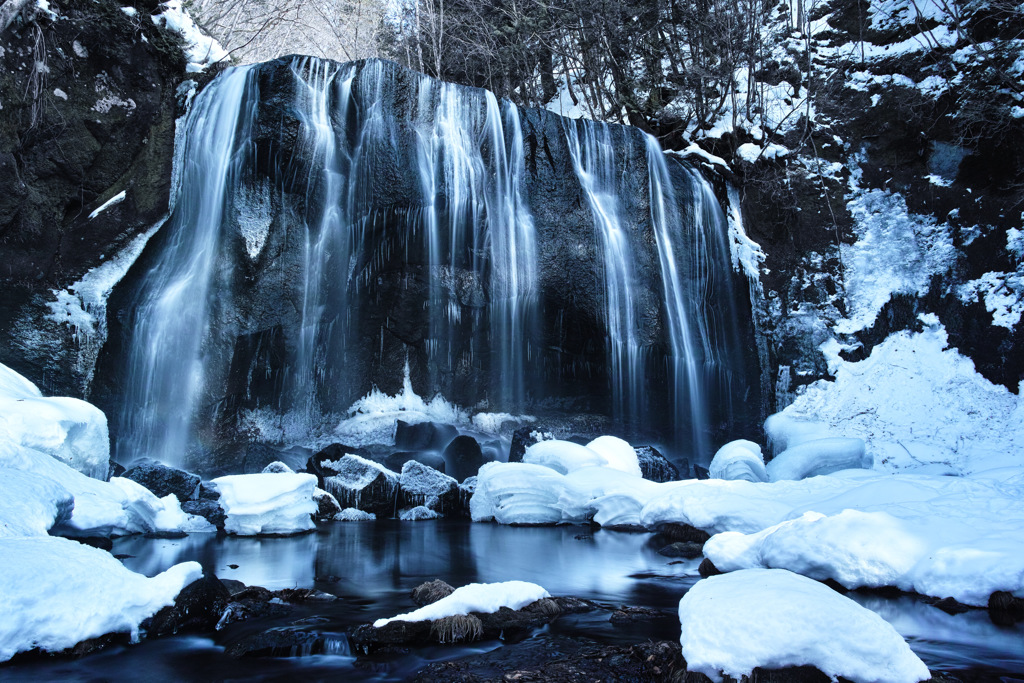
362 484
354 515
418 514
954 537
267 503
475 597
57 593
739 459
31 504
820 456
563 456
424 486
618 454
517 493
773 619
101 508
327 506
278 467
68 429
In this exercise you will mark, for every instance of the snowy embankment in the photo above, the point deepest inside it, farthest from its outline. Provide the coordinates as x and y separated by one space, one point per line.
56 592
891 520
475 597
783 620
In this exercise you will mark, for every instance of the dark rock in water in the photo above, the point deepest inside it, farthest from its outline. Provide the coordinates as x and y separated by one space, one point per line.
423 436
836 586
198 607
396 461
163 480
683 532
632 615
326 505
466 491
508 624
278 467
701 472
707 568
951 606
430 592
284 641
523 438
559 659
464 456
170 534
210 510
655 466
314 465
362 484
686 549
1004 609
114 469
423 485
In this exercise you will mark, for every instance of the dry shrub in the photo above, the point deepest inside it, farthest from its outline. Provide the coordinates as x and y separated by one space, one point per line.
457 628
430 592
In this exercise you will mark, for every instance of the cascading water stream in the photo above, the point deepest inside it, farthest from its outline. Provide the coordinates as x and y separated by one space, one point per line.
685 359
593 157
165 366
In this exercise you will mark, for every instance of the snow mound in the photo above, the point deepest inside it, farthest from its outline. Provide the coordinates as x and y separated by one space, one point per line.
56 593
418 514
914 403
939 536
564 456
820 456
619 454
475 597
101 508
739 459
70 430
781 619
273 503
354 515
31 504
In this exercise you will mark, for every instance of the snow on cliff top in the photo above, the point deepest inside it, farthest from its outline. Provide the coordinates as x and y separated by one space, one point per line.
201 50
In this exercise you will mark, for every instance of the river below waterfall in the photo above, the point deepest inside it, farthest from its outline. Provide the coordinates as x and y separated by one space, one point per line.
372 566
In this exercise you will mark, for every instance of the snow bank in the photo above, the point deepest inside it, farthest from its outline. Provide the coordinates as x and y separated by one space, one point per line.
773 619
200 49
739 459
564 456
70 430
914 403
272 503
940 536
56 593
372 418
820 456
475 597
115 508
31 504
617 453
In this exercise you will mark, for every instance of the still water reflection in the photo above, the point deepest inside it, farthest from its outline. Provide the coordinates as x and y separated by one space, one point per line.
372 566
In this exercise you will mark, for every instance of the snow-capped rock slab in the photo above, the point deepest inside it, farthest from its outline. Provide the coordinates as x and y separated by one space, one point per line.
68 429
773 619
563 456
56 593
272 503
475 597
738 460
363 484
423 486
618 454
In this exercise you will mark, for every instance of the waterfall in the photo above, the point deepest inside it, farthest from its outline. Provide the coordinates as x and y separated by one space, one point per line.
166 368
594 162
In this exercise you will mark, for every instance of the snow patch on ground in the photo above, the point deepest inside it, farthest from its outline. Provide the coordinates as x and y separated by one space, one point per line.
914 403
475 597
56 593
68 429
773 619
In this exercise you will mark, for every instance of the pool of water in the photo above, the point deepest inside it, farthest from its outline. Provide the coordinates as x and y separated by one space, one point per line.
372 566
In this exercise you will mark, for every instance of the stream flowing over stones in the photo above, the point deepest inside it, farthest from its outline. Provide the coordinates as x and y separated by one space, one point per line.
333 224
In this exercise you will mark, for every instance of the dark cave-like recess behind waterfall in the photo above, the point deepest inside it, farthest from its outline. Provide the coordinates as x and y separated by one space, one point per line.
334 224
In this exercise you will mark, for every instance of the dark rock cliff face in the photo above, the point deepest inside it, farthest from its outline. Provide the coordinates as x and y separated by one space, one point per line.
88 106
